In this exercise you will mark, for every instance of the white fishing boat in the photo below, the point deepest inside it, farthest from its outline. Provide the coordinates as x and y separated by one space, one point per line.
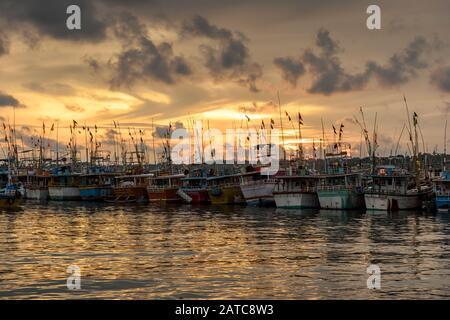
36 187
64 186
298 191
391 190
257 188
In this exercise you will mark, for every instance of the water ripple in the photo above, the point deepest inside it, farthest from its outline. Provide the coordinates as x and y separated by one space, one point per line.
194 252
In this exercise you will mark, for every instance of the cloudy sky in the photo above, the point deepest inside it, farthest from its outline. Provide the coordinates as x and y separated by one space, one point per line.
174 60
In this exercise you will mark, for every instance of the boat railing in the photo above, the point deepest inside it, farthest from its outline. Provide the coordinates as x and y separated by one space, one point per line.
442 195
288 188
158 188
258 182
224 185
335 188
385 191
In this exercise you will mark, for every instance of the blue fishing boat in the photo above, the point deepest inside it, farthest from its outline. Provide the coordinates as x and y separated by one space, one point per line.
441 188
96 185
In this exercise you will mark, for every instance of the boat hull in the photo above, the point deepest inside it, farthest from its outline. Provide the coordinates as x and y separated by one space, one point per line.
64 193
128 194
259 194
226 195
164 195
10 202
39 193
95 193
387 202
296 199
198 196
442 202
340 199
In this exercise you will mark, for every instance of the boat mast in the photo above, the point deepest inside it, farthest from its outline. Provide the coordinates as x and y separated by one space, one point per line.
445 145
374 142
57 145
324 146
398 141
86 146
153 143
281 124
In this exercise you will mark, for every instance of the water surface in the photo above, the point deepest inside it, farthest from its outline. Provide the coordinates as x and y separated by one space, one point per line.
212 252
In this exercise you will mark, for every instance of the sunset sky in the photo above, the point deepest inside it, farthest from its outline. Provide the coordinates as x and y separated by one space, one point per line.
216 60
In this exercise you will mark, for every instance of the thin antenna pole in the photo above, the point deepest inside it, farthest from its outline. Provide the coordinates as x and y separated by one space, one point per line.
398 141
281 124
57 145
153 143
324 146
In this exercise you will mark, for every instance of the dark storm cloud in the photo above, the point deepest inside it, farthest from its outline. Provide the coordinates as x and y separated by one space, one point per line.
402 66
229 58
49 17
291 69
141 59
441 79
7 100
329 76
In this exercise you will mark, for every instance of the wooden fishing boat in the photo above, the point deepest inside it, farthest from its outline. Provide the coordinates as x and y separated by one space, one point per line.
257 188
297 191
10 197
225 190
391 189
64 185
36 186
341 191
441 188
166 188
96 186
129 189
196 187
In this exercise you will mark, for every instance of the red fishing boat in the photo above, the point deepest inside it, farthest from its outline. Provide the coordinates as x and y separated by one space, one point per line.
166 188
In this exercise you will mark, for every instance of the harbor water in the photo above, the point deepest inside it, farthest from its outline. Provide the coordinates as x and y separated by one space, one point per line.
220 252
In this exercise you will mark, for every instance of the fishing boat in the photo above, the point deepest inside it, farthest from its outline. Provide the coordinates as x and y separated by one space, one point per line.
441 188
341 191
257 188
36 187
166 188
196 187
64 186
296 191
96 186
225 189
10 197
129 189
339 188
392 189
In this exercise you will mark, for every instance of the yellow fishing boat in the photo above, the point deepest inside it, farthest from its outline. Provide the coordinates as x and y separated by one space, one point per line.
10 198
225 190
